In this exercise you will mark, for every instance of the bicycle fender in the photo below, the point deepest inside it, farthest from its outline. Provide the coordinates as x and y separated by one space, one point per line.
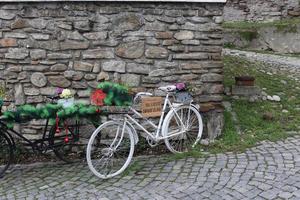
134 133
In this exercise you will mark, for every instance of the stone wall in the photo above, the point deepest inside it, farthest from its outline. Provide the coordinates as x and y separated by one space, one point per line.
261 10
144 45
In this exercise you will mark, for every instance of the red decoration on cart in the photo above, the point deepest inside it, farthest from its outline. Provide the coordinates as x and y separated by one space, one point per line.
98 97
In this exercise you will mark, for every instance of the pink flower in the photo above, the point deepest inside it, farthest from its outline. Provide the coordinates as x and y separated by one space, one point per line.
59 90
180 86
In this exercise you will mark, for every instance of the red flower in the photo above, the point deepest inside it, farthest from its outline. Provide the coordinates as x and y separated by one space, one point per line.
97 97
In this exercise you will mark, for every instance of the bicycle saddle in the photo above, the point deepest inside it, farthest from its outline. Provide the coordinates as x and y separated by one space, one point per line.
168 88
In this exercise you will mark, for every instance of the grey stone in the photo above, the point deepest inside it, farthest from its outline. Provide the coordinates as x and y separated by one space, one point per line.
73 75
19 23
138 68
49 91
193 56
212 77
57 56
17 53
52 45
31 91
215 125
75 36
131 80
97 54
96 35
19 95
100 19
131 50
245 90
59 67
38 36
83 66
38 79
84 93
79 85
184 35
23 75
37 54
16 35
103 76
7 15
34 99
114 66
59 81
89 77
38 23
160 72
127 22
156 52
36 68
82 25
155 26
69 45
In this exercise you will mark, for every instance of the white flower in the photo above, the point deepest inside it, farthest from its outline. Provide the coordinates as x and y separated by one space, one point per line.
66 93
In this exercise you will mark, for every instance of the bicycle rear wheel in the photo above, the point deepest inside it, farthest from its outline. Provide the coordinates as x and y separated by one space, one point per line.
70 143
110 149
190 134
6 153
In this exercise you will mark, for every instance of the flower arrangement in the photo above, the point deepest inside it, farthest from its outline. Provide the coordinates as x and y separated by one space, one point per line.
67 98
66 94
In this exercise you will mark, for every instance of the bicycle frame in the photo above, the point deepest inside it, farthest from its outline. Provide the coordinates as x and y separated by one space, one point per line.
32 143
157 135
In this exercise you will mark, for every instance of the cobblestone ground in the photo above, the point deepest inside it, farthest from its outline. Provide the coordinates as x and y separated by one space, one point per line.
268 171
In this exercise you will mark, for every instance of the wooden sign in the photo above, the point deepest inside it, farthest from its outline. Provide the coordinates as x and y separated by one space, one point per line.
151 106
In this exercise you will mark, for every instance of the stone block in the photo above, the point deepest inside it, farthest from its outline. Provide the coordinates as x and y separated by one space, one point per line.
138 68
37 54
73 75
17 53
131 49
164 35
98 54
16 35
212 77
58 56
59 67
184 35
36 68
38 79
19 95
31 91
83 66
73 45
59 81
114 66
7 14
82 25
96 35
131 80
245 90
192 56
156 52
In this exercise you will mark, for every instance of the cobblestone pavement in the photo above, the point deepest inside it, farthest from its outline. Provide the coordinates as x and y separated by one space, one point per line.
268 171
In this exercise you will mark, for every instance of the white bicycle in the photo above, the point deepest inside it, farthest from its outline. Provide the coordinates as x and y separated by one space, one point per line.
111 146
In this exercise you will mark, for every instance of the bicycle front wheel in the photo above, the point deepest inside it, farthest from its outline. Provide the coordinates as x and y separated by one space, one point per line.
183 129
6 153
110 149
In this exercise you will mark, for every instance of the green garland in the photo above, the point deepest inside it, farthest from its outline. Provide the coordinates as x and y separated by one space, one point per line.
116 94
49 111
